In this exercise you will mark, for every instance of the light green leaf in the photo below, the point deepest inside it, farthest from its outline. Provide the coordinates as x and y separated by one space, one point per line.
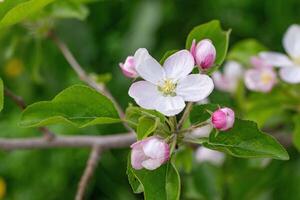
244 50
79 105
184 159
160 184
14 13
1 94
213 31
146 126
245 140
296 132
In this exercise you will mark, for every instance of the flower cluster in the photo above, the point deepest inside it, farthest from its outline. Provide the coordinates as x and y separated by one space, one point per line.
166 88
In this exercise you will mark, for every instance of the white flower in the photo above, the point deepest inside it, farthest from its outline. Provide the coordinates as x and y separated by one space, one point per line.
203 131
166 88
290 65
204 154
228 81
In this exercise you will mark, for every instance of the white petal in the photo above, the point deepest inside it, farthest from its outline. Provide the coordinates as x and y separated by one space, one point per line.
290 74
140 55
179 65
203 131
151 164
233 69
195 87
291 41
144 93
150 70
207 155
170 106
276 59
154 148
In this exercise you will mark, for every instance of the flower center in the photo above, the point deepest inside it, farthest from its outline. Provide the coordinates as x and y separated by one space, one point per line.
297 60
168 88
266 78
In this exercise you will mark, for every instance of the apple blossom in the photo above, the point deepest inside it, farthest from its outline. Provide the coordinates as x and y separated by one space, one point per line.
129 66
223 119
228 81
289 65
149 153
204 53
166 88
203 131
261 77
204 154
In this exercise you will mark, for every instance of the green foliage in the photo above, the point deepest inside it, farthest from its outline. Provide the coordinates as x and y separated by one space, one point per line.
146 126
184 159
14 12
1 94
79 105
296 132
200 113
213 31
160 184
244 50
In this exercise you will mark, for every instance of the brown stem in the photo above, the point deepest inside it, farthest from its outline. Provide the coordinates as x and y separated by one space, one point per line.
185 115
88 172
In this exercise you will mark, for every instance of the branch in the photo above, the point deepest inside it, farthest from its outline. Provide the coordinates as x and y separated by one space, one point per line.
88 172
185 114
105 142
82 74
19 101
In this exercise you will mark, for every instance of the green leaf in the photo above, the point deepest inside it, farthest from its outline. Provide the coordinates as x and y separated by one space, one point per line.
1 94
160 184
14 13
296 132
199 113
166 55
79 105
244 50
245 140
184 159
213 31
146 126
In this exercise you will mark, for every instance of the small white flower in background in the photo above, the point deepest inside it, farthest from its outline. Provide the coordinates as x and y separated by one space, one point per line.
166 88
261 77
204 53
149 153
229 80
203 131
204 154
129 66
289 65
223 119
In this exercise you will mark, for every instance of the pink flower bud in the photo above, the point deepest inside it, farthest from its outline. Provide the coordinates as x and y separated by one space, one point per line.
204 53
223 119
149 153
128 68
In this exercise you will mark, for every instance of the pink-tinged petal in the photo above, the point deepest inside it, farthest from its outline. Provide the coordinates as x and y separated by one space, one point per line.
260 80
193 48
137 157
156 148
276 59
128 68
179 65
290 74
170 106
259 63
223 119
195 87
151 70
152 164
291 41
207 155
203 131
205 54
224 83
145 94
140 55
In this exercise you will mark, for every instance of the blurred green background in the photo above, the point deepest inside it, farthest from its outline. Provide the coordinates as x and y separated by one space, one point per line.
34 68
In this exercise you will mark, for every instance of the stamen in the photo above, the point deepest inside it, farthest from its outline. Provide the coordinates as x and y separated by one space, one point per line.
168 88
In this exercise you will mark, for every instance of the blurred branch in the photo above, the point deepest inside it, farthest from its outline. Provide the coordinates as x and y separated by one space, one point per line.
105 142
19 101
82 74
88 172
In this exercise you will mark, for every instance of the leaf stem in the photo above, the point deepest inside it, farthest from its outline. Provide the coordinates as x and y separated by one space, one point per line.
185 115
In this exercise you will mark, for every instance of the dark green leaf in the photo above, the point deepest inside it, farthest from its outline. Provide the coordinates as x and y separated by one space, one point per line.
213 31
16 12
79 105
247 141
244 50
160 184
200 113
296 132
1 94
